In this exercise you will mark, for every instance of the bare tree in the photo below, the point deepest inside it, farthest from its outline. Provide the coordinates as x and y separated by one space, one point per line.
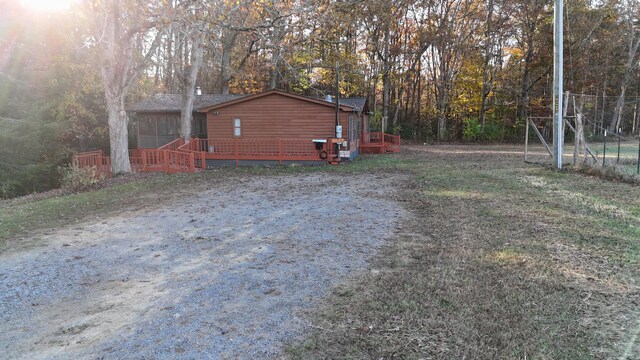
629 12
126 36
189 77
192 27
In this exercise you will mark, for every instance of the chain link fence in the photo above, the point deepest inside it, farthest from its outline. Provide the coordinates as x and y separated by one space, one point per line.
597 130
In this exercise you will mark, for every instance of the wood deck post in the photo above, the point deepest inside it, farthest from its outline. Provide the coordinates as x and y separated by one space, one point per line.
384 148
165 155
280 151
526 141
192 163
235 142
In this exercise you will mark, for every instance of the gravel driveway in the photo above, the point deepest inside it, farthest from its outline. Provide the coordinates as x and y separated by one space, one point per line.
223 274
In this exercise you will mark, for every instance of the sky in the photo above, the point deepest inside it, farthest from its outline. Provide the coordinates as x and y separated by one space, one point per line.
47 5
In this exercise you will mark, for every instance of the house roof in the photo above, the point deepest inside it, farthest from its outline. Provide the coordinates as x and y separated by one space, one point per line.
206 102
173 102
343 106
357 103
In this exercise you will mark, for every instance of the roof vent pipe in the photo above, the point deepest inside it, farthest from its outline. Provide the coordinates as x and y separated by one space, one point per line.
198 91
328 98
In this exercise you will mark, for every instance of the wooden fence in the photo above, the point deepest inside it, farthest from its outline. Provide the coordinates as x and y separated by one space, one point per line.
178 156
249 149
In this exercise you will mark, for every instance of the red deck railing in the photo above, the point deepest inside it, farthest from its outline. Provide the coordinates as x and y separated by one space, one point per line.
174 145
95 159
178 156
199 155
379 142
142 160
178 161
255 149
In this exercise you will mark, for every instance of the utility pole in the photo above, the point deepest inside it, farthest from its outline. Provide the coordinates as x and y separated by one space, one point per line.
558 121
337 94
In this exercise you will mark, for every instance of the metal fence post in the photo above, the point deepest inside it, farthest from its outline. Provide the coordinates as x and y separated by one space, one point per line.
618 160
526 141
604 151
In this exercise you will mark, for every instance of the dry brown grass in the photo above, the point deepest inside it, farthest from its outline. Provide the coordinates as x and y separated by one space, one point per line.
500 260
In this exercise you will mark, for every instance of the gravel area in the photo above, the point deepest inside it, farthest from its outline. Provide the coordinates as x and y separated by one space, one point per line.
224 273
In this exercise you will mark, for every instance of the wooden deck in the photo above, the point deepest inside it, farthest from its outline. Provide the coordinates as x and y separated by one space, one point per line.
178 156
379 143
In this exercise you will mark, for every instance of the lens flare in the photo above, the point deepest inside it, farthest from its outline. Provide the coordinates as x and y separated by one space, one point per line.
47 5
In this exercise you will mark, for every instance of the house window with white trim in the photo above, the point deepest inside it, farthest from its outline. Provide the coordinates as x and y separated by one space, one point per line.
237 131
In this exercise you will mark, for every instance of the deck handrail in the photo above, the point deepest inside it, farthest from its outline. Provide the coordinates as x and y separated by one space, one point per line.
194 147
173 145
260 149
380 142
95 159
178 161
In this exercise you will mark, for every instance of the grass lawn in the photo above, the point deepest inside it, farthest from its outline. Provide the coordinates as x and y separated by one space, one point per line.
499 259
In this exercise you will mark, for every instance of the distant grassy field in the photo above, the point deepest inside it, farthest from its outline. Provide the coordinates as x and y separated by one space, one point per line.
628 154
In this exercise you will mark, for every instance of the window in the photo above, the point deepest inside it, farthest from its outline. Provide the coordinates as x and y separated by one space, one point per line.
147 126
236 128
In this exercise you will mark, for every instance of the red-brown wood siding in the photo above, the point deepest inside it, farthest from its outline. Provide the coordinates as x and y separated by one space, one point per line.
275 117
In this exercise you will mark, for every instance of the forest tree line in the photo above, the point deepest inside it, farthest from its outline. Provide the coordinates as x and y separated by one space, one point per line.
435 70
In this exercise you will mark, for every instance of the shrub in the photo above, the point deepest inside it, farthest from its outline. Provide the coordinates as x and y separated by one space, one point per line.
493 131
77 178
472 129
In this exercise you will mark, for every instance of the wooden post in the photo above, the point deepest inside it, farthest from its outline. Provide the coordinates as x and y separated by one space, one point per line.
236 151
576 135
280 151
192 163
526 141
99 163
165 155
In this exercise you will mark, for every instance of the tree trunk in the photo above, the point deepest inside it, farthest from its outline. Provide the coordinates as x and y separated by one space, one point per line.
486 85
617 110
633 43
524 93
278 35
580 149
119 70
118 133
188 94
442 97
386 86
228 43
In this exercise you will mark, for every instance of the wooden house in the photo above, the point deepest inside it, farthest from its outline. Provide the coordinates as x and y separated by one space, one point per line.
289 118
268 126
